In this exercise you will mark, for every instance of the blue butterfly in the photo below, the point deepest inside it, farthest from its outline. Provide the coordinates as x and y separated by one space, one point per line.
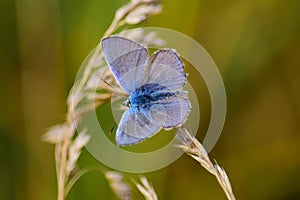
156 100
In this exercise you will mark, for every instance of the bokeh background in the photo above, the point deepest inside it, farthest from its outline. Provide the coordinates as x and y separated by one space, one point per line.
255 44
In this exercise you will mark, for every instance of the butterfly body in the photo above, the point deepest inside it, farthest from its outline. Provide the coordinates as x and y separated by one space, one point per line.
149 94
156 100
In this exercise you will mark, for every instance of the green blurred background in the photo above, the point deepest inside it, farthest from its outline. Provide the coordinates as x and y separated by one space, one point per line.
255 44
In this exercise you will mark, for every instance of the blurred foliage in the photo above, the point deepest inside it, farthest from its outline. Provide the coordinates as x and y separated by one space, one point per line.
255 45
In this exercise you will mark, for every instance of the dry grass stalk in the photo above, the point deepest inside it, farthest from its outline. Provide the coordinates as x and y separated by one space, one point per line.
146 189
75 150
68 145
191 146
117 184
122 189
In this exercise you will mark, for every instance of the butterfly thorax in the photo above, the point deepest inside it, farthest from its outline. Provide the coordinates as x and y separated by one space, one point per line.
149 94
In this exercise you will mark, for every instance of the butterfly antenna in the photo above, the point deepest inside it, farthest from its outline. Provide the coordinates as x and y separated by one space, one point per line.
113 88
112 129
107 83
104 79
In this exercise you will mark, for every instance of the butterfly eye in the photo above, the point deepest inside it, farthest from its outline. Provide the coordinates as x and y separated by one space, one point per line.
126 103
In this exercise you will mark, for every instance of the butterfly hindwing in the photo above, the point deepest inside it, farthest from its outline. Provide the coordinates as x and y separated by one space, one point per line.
170 114
135 126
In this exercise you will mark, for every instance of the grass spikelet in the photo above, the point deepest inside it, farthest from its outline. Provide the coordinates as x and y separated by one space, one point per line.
191 146
117 184
146 189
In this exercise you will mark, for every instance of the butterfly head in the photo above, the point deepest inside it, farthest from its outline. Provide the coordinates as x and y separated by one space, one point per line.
126 103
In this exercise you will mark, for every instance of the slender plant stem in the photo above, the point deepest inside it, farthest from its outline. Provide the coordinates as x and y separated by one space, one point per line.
63 160
80 173
119 16
71 104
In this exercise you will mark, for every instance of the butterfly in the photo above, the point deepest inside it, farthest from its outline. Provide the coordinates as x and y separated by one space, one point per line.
155 87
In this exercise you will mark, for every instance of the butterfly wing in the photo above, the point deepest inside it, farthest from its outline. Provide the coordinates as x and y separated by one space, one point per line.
166 69
123 56
170 114
135 126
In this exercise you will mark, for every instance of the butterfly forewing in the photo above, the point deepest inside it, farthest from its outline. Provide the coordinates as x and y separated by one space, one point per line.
165 68
124 57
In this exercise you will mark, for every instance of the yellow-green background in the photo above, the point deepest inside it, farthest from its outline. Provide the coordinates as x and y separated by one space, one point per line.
255 45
